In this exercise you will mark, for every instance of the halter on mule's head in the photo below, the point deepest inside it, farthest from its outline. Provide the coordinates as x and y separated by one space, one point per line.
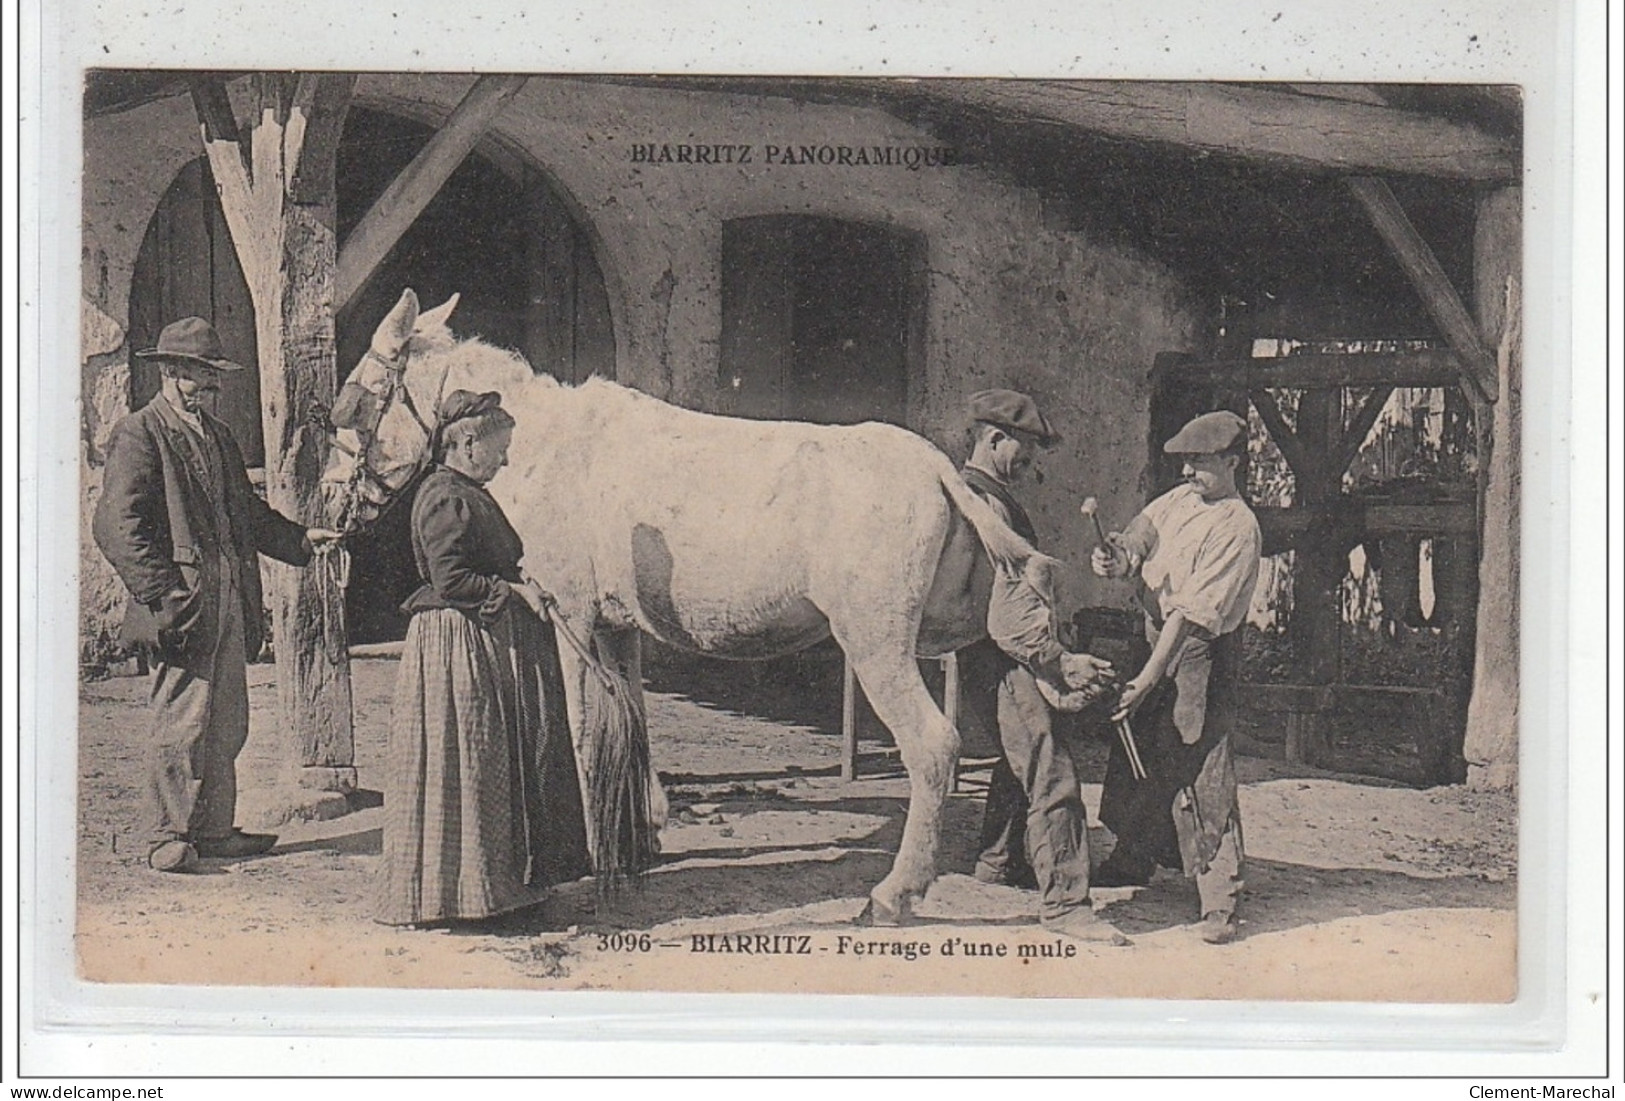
383 430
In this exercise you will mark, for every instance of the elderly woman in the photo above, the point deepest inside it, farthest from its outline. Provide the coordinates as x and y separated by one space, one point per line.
482 809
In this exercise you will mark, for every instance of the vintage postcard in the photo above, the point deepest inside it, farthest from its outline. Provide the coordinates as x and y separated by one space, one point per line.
949 536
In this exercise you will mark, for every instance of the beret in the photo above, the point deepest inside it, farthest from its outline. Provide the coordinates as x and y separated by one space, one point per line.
1013 411
1208 434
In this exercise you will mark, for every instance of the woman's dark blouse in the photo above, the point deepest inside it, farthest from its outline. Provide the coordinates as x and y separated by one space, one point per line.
466 551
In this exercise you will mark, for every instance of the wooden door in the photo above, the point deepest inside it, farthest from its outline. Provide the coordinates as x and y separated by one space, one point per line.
187 267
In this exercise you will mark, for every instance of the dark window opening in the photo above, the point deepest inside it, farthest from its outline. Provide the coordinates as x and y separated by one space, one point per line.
821 319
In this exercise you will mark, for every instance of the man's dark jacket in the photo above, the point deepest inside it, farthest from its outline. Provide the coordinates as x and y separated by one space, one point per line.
156 523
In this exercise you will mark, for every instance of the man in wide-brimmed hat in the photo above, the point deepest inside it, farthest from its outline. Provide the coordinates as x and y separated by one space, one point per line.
182 526
1034 829
1195 553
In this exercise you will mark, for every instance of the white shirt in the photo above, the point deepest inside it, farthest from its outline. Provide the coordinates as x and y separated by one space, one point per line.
1200 557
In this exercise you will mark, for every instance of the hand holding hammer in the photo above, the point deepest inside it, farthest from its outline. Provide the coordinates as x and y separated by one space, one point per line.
1107 560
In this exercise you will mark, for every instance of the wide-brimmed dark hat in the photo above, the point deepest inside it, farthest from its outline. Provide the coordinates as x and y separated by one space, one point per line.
1013 411
191 341
1208 434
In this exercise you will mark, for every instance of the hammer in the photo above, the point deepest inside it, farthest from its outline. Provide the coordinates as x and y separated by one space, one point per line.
1091 509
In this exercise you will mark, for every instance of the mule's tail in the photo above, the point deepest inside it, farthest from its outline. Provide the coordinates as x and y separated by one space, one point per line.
623 840
1008 550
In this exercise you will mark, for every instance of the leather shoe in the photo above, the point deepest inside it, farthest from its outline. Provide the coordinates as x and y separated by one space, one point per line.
172 856
1082 924
1220 927
234 844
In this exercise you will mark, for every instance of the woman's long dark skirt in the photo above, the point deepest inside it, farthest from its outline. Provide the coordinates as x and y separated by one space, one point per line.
482 809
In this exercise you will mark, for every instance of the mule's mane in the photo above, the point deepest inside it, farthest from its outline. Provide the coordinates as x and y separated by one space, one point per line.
470 363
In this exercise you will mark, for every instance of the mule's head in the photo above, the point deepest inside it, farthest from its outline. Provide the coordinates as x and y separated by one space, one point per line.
384 417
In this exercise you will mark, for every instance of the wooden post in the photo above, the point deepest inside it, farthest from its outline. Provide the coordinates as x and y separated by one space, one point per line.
1491 746
1298 736
279 199
1318 573
950 689
849 720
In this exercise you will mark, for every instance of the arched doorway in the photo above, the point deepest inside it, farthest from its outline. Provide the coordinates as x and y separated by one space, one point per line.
504 240
500 236
187 267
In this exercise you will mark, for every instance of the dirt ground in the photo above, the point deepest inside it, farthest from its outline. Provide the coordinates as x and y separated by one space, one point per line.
1357 889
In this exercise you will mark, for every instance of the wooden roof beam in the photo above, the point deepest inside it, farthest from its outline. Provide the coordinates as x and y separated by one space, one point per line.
1428 367
407 195
1305 466
1299 131
214 113
1428 277
1353 93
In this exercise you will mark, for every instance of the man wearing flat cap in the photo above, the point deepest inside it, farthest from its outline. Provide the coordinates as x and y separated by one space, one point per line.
1195 553
1034 830
181 525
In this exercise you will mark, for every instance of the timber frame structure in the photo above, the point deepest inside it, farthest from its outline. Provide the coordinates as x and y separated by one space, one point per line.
1347 134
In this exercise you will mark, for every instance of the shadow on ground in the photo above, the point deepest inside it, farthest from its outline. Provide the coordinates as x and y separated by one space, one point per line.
846 847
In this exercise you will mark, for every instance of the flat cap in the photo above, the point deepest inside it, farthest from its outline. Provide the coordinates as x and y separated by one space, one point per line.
1208 434
1014 412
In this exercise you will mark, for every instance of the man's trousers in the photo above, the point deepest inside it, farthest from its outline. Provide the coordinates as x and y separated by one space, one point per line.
199 708
1035 813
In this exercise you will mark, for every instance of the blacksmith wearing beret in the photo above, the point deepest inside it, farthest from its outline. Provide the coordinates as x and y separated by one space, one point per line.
1194 553
1209 434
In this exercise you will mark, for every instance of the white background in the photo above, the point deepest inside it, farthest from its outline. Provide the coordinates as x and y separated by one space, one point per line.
1554 50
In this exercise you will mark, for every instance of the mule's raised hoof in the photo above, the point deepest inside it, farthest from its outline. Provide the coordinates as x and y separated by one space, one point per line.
877 913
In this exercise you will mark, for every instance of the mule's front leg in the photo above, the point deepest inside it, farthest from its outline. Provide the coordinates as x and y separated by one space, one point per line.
929 745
